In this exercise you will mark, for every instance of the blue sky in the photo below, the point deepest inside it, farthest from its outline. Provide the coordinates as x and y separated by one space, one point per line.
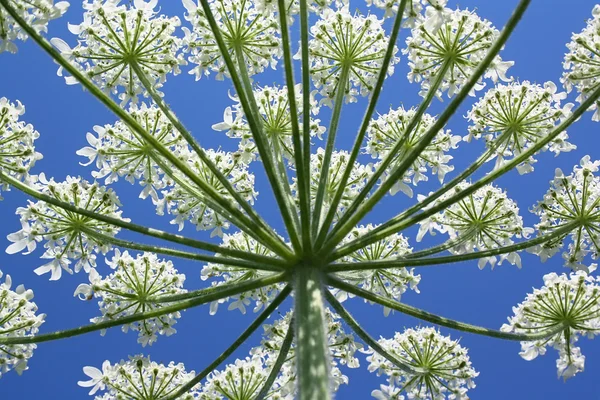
64 114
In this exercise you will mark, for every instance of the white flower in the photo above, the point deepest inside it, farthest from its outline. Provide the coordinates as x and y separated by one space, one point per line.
483 220
385 132
17 151
355 43
18 319
131 289
249 34
36 13
67 236
112 38
138 378
571 301
582 69
573 198
443 366
389 282
514 117
459 45
413 13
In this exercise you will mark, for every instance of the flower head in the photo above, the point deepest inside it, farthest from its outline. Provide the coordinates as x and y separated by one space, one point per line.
413 13
17 319
37 14
138 378
350 46
131 288
67 236
249 33
385 132
455 49
515 117
17 151
570 302
442 365
116 39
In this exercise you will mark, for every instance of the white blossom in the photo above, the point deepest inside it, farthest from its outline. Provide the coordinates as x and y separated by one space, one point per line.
17 151
443 367
36 13
458 46
67 236
18 319
582 62
249 34
113 38
568 301
571 199
385 132
483 220
132 288
413 13
355 43
515 117
138 378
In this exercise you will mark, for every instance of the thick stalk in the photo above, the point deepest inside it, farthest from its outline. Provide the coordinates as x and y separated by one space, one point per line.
358 143
197 244
411 261
303 189
281 359
209 295
235 345
312 350
306 145
182 254
331 134
199 151
439 320
361 209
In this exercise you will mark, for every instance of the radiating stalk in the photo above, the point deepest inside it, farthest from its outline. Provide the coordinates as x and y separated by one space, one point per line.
312 350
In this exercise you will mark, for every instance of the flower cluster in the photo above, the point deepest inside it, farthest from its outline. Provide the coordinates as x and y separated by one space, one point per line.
441 366
132 289
483 220
390 129
17 319
67 236
413 13
513 118
569 303
226 274
17 151
273 106
250 36
454 49
36 13
115 40
572 199
293 6
348 47
582 62
392 282
138 378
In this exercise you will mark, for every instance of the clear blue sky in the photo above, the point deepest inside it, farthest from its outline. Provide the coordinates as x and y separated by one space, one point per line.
64 114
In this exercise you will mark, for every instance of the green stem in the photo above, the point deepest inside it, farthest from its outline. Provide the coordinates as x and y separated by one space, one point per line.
438 320
313 364
303 189
306 105
235 345
210 294
358 143
331 134
199 151
197 244
362 208
182 254
412 261
281 358
355 326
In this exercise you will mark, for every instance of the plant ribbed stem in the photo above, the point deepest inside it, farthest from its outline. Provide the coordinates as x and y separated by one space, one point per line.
312 355
306 145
